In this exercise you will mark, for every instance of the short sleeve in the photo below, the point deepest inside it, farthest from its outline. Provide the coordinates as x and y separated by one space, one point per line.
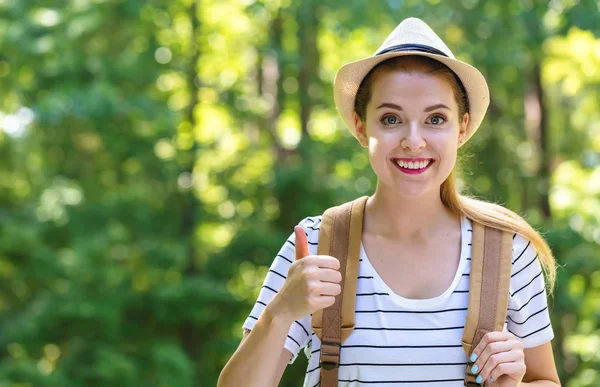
300 331
528 317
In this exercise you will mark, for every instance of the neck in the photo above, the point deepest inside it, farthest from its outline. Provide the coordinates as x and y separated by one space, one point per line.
405 218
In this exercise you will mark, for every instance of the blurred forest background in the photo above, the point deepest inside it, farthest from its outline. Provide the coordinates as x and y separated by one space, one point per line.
155 155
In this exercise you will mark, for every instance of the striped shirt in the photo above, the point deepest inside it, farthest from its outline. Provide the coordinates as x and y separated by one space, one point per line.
410 342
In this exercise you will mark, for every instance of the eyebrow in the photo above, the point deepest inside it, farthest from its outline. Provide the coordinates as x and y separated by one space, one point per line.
397 107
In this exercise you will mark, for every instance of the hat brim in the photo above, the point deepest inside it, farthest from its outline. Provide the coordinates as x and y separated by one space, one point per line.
349 77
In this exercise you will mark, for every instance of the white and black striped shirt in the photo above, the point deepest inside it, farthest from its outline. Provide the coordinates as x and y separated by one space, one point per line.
410 342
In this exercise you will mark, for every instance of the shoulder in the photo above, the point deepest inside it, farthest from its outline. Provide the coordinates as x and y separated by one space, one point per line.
523 252
311 226
311 223
522 247
524 257
527 275
527 315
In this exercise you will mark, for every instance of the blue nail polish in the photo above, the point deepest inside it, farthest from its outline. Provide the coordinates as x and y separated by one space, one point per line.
473 357
474 368
479 379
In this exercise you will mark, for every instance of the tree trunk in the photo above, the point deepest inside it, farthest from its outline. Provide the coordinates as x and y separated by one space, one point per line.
308 15
535 111
189 334
271 83
308 27
191 202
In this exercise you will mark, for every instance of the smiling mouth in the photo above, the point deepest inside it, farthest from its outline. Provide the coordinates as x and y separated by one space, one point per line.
413 167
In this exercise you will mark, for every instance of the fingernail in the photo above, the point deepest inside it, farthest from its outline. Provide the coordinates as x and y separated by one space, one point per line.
473 357
479 379
474 369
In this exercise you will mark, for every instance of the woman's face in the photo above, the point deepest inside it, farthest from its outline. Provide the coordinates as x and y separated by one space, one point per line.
412 130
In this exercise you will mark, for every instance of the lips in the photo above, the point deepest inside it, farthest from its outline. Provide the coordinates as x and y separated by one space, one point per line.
405 161
413 163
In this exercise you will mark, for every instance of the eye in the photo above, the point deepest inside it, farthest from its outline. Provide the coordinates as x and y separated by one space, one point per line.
390 120
437 119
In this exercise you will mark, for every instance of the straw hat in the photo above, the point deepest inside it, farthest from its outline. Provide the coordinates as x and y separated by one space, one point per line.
412 37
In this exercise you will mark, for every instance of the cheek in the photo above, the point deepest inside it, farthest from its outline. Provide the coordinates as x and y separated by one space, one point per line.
450 157
378 149
377 155
373 152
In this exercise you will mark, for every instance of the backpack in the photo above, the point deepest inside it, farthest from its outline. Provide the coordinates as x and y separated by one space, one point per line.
340 236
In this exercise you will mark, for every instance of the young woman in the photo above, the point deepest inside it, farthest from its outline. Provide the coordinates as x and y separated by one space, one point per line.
412 105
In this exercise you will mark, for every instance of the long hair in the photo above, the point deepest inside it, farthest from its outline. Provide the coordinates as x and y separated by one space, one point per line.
485 213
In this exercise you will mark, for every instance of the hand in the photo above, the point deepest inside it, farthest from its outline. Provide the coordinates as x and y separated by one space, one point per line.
499 356
311 284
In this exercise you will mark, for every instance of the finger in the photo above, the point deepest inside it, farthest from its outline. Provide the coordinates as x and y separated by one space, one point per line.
513 370
329 275
323 261
301 243
329 289
498 359
489 337
490 350
322 302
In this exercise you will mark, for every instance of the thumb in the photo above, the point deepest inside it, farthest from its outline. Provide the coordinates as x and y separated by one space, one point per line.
301 243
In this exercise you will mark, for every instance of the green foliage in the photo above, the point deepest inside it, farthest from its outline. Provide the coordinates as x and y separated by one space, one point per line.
154 155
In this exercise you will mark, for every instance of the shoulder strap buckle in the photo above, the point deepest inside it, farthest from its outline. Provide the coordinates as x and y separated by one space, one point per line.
330 354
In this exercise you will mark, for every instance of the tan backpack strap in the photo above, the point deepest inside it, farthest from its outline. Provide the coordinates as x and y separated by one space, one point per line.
340 236
491 263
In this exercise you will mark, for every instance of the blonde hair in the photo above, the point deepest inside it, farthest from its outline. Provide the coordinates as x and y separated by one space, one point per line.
496 216
485 213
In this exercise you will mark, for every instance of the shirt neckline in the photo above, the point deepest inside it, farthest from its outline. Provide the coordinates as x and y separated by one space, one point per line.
425 303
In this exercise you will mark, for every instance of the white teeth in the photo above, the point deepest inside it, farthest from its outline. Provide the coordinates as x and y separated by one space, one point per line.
412 165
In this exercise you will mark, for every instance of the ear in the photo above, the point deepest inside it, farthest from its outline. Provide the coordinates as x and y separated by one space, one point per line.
361 131
462 133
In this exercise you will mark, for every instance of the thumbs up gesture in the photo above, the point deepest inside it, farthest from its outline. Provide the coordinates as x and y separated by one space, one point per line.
312 281
301 243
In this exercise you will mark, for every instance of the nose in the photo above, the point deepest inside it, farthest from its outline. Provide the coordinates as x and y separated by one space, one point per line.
412 138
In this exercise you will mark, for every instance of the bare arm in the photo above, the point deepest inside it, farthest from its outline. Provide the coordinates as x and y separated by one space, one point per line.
312 283
284 360
260 360
541 369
